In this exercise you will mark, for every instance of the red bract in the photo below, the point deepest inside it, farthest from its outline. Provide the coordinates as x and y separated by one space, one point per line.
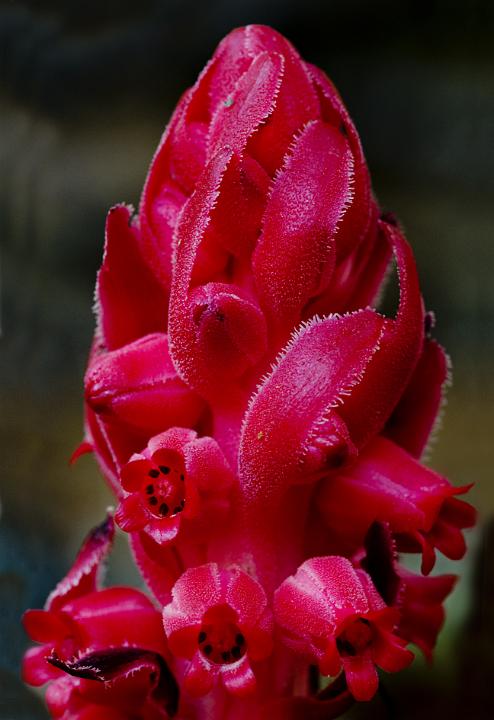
259 422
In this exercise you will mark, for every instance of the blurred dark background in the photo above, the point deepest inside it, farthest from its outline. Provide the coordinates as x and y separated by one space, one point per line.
86 88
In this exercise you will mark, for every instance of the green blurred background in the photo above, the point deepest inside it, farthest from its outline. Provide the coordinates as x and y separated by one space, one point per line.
85 91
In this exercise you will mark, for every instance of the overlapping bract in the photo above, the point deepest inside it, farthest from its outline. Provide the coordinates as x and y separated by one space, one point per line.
259 422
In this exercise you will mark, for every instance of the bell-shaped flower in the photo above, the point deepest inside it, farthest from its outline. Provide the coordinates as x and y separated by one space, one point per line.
177 478
332 614
219 620
387 484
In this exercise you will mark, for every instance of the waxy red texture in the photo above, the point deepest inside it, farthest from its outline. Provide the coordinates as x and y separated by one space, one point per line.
260 423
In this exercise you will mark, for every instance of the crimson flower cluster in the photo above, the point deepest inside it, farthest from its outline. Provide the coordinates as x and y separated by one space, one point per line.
258 421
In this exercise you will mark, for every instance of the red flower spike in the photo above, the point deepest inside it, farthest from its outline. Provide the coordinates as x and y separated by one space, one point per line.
218 619
388 484
129 299
177 477
331 613
257 223
137 386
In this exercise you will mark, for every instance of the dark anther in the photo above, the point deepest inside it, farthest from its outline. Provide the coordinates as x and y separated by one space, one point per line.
343 130
240 639
164 469
164 508
153 500
236 651
202 636
225 655
150 489
182 477
152 677
153 473
208 649
177 509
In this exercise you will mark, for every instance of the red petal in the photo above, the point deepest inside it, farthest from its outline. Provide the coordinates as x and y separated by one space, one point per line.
357 222
200 676
389 653
361 676
35 669
163 531
44 626
250 104
194 592
238 678
118 616
133 472
291 430
131 515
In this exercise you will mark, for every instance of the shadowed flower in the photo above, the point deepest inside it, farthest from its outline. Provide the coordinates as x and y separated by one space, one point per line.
332 613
